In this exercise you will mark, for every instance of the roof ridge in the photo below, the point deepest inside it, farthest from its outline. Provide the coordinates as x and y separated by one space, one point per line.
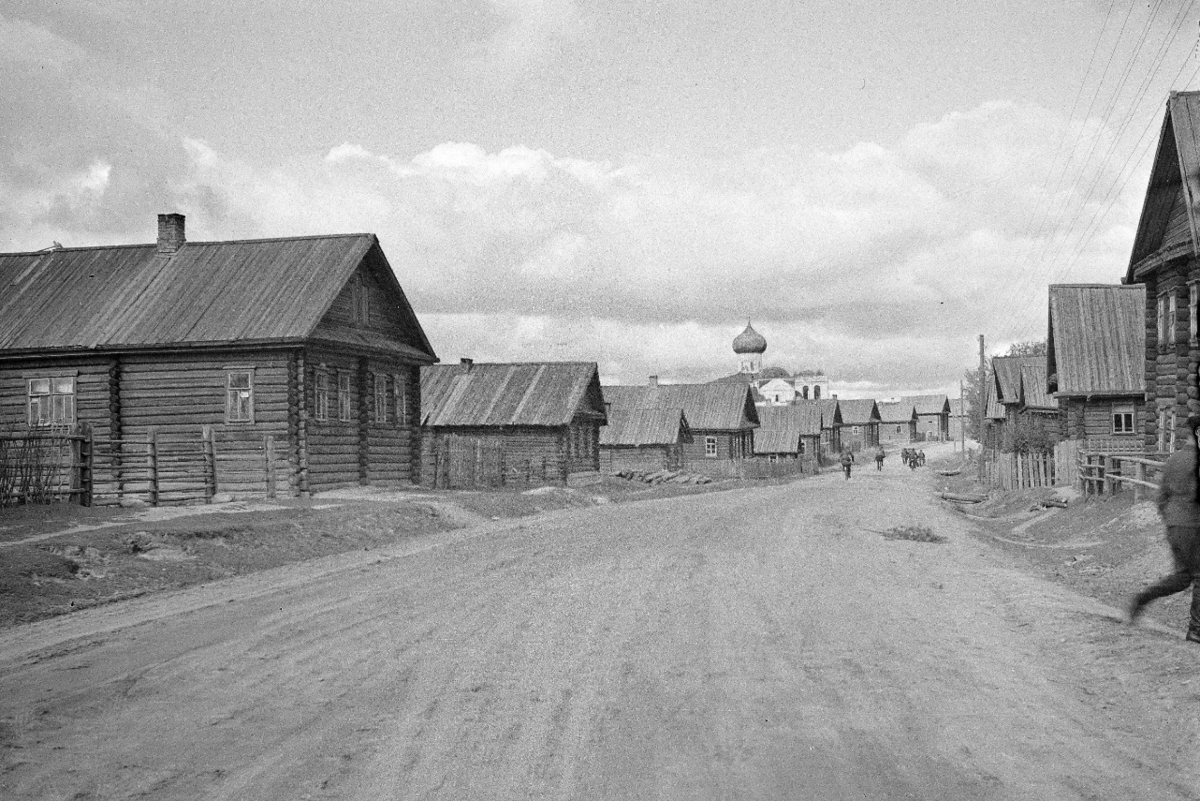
48 251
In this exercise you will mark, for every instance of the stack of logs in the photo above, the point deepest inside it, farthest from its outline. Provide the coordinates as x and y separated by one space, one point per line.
663 477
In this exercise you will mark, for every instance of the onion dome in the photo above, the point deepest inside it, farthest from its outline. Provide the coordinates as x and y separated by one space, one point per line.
749 341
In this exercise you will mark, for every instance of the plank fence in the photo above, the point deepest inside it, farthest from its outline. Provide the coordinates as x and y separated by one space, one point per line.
1094 467
474 463
46 466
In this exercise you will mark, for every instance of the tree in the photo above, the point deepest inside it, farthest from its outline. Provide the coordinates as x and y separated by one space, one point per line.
1027 349
971 387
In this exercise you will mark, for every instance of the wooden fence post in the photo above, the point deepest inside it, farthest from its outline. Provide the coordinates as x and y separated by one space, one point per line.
269 452
152 465
1139 473
87 463
208 440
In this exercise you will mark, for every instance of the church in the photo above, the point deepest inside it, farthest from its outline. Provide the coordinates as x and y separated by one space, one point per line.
772 386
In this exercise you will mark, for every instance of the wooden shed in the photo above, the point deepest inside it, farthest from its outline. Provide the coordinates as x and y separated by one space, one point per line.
722 416
897 423
297 357
1096 361
644 439
500 423
860 424
831 424
1164 260
788 432
933 416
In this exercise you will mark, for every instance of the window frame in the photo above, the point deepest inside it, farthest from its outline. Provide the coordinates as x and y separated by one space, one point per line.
53 402
1193 304
345 399
380 381
321 395
401 399
1120 410
710 447
230 405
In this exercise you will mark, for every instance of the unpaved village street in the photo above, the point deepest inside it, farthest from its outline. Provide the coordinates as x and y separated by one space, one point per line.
759 643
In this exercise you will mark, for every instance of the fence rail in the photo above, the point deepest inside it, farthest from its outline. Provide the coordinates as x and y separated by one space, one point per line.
45 466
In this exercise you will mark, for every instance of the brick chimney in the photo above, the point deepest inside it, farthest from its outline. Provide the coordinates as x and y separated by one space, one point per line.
466 364
170 233
654 381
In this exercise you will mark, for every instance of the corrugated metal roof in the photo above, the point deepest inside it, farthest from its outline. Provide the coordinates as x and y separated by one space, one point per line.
1033 387
644 427
1176 159
897 412
928 404
205 293
782 427
709 407
1097 339
858 412
519 394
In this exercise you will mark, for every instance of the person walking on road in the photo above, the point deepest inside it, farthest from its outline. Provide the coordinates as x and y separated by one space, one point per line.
879 456
847 461
1180 509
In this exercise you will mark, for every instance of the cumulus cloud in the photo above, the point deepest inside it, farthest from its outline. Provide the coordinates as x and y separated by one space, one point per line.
878 264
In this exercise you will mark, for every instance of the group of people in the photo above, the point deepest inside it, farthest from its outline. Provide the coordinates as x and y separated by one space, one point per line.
912 457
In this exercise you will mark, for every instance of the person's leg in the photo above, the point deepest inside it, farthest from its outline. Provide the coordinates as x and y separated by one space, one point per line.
1177 580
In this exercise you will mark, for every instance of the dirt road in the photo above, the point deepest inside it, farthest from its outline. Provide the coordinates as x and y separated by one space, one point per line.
756 644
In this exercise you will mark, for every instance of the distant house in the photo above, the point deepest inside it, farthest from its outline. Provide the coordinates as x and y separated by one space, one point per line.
933 416
958 419
860 424
299 356
1096 361
994 414
541 419
831 424
722 416
897 423
788 432
1019 384
1164 261
1036 401
644 439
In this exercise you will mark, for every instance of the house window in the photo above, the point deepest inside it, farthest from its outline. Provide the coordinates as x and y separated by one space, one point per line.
401 401
1122 418
1162 320
801 448
1171 431
1162 430
854 430
360 300
897 429
1193 302
321 397
710 447
343 396
1172 317
381 401
239 396
52 401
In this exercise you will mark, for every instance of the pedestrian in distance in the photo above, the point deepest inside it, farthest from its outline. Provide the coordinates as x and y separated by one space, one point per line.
879 457
1179 507
921 458
847 461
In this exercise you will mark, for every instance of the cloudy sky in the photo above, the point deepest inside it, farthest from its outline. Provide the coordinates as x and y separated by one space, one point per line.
874 184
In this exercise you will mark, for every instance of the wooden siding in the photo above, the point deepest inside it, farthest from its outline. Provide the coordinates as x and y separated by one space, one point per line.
1089 419
540 448
615 458
91 391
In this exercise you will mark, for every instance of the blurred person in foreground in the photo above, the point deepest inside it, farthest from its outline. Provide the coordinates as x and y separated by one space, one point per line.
1180 509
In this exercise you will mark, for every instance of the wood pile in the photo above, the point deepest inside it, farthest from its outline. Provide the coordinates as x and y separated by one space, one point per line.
663 477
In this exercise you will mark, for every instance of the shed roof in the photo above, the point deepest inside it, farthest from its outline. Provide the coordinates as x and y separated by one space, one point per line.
1097 339
1007 370
783 426
644 427
265 290
928 404
1033 386
896 412
994 409
1161 229
708 407
858 412
831 412
519 394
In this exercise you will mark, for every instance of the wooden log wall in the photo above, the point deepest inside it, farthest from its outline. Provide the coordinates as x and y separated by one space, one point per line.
538 448
650 457
1171 382
92 398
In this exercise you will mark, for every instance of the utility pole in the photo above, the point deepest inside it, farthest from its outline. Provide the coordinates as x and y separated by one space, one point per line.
982 404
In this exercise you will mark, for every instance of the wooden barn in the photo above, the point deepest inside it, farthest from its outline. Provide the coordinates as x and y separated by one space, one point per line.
860 424
1164 261
897 423
526 422
933 416
1096 362
788 432
722 416
297 358
1036 401
831 424
644 439
1019 387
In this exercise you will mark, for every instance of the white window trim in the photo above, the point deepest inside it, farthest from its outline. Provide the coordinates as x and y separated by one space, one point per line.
381 398
321 395
70 409
710 447
401 400
345 397
230 372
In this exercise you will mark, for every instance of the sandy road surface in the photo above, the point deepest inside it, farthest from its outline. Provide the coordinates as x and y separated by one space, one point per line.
750 644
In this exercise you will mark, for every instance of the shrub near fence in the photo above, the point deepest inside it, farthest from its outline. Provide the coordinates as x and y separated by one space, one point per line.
38 468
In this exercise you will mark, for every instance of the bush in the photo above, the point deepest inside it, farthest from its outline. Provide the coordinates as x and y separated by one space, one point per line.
1028 435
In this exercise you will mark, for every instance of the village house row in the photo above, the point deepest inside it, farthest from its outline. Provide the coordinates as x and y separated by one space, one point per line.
1121 361
302 366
